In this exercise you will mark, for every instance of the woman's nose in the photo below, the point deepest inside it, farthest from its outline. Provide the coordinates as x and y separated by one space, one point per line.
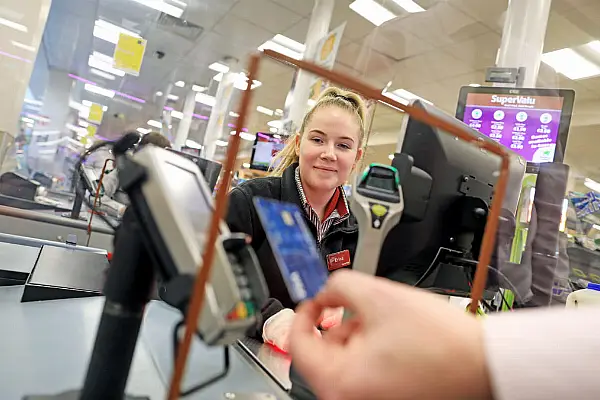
329 153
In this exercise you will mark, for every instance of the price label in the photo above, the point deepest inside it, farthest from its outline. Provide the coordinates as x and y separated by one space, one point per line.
516 146
543 130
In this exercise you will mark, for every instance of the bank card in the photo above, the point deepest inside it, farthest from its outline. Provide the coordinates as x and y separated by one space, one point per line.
294 248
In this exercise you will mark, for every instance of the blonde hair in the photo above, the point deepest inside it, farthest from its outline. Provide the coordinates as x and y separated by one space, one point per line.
332 96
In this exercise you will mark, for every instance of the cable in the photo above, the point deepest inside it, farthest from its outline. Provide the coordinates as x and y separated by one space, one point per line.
208 382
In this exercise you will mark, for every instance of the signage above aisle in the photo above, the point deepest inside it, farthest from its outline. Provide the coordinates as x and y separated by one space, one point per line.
129 54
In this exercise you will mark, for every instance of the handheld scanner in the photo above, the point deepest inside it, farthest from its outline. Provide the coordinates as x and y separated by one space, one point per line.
377 204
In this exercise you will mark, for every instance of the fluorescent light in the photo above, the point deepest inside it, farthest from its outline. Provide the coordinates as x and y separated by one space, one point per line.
154 123
110 32
13 25
391 156
88 103
177 114
173 97
205 99
409 6
596 227
28 120
83 123
246 165
98 90
274 130
159 93
221 143
279 112
594 45
98 61
277 136
144 131
23 46
271 45
233 114
217 66
193 144
241 81
179 3
265 110
275 124
372 12
571 64
289 43
101 74
33 102
197 88
403 96
595 186
162 6
180 84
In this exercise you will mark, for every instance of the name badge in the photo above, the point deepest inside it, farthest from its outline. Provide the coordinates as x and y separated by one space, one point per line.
338 260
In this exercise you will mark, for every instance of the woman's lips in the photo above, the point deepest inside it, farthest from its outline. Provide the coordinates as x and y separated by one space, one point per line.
326 169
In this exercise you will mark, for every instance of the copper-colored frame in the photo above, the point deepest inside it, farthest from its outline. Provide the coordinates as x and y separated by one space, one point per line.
489 236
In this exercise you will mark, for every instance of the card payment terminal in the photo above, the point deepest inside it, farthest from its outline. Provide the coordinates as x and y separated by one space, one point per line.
377 204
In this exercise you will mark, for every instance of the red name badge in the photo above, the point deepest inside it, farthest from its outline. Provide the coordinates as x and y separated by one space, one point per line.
338 260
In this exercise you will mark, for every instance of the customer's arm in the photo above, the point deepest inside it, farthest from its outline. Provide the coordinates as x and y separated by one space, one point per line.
110 183
544 354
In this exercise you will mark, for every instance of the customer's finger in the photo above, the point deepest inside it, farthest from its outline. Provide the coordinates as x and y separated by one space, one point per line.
339 334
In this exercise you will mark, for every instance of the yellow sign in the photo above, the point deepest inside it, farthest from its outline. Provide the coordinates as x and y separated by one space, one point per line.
129 54
327 47
91 129
96 113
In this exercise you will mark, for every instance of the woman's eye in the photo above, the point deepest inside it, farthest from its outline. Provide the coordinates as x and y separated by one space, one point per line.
345 146
317 140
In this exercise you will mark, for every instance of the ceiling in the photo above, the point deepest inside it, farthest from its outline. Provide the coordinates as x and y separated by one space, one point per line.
431 54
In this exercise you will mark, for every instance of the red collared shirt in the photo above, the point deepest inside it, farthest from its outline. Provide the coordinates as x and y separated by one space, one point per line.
336 211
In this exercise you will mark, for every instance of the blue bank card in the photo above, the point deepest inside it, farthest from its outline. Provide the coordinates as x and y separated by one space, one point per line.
294 248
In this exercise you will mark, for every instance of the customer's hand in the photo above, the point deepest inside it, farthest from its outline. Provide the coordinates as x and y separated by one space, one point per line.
401 343
331 317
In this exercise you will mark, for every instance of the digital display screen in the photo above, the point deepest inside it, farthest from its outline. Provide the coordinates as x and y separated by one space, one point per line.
185 188
266 148
528 125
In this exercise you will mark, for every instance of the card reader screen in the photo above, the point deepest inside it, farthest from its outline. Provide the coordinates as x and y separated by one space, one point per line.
185 188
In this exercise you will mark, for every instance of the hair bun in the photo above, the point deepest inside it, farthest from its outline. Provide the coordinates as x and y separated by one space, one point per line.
354 99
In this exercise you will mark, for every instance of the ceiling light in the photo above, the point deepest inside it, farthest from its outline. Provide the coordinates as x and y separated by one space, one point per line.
271 45
76 106
205 99
403 96
154 123
177 114
233 114
173 97
100 91
33 102
159 93
88 103
102 74
409 6
571 64
594 45
216 66
98 61
162 6
595 186
28 120
391 156
23 46
372 12
241 81
277 136
83 123
144 131
275 124
179 3
221 143
13 25
197 88
180 83
265 110
110 32
278 112
246 165
193 144
274 130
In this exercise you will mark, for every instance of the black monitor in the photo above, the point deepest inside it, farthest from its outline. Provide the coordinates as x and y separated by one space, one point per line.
447 186
266 146
532 122
210 169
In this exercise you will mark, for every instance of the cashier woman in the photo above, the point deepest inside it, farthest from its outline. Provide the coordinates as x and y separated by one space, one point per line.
313 166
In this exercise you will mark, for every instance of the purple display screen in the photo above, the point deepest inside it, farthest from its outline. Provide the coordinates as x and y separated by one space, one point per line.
528 125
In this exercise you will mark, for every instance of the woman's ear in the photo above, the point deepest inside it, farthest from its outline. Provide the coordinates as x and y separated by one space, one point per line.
359 155
297 139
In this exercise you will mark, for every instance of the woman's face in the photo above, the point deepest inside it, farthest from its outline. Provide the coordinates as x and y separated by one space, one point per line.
329 148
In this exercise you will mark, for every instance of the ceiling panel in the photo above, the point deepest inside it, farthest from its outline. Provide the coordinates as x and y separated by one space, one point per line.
488 12
266 14
356 26
301 7
298 31
242 31
478 52
392 40
563 33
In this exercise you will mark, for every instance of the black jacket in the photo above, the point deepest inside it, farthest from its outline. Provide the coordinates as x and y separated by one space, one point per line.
242 217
